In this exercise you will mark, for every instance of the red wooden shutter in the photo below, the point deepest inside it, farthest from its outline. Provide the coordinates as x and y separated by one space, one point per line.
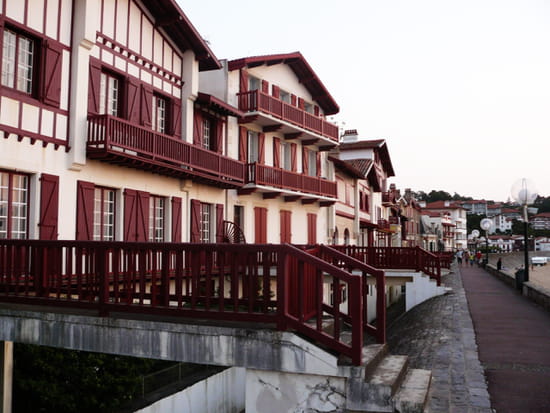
219 135
293 162
261 147
176 219
243 144
197 127
293 100
219 223
146 105
142 219
265 86
243 77
195 220
311 229
132 100
305 161
84 211
316 110
175 118
275 91
301 103
130 214
276 152
260 225
51 78
49 206
318 161
94 85
286 234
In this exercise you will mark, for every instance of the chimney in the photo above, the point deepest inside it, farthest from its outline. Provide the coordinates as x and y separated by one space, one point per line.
350 135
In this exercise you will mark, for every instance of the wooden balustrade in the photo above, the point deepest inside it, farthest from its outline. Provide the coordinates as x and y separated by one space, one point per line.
258 101
113 138
280 178
279 285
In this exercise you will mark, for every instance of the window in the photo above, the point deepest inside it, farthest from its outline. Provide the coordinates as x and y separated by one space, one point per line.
253 83
18 58
158 114
104 214
156 218
109 94
253 147
14 205
312 161
308 107
286 156
284 96
205 225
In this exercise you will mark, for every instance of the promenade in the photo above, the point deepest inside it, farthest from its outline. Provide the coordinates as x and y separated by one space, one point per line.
487 346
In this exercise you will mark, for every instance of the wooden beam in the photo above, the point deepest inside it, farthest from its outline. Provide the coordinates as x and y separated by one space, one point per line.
326 148
308 201
326 203
272 128
246 191
307 142
292 198
271 195
289 136
248 119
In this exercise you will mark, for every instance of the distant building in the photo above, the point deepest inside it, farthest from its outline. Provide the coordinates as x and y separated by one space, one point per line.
478 207
541 221
457 216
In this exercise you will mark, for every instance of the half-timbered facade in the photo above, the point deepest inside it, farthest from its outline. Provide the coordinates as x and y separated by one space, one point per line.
282 138
97 103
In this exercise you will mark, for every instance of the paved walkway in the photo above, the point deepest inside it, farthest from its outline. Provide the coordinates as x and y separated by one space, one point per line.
438 335
513 336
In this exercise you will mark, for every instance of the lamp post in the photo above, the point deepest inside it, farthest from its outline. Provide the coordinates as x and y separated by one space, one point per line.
486 225
524 192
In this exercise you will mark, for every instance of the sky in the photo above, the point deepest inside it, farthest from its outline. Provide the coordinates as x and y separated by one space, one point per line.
459 89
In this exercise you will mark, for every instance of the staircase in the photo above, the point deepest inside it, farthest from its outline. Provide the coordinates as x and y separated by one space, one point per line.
388 384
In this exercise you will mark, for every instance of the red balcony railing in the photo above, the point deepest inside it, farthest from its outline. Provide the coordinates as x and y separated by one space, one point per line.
258 101
283 179
396 258
279 285
111 138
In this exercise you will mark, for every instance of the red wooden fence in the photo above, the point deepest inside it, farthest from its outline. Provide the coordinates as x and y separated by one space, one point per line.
235 282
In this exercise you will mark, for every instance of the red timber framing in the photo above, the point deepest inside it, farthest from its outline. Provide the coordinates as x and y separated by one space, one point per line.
285 226
119 141
237 282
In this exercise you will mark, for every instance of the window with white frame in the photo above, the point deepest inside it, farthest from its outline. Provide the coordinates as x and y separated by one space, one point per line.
312 163
14 205
308 107
206 223
253 155
18 61
286 156
206 133
109 94
158 115
284 96
253 83
104 214
156 218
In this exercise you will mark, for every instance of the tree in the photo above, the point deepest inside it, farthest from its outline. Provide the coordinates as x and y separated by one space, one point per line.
56 380
473 221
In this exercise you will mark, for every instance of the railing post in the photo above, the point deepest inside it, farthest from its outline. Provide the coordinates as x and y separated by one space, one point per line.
419 259
102 279
381 309
282 296
357 322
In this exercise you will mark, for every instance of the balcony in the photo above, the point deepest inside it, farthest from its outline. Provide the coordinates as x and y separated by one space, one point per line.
120 142
275 181
295 121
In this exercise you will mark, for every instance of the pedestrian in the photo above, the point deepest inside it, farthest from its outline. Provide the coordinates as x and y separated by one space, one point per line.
459 257
499 264
466 257
478 257
472 259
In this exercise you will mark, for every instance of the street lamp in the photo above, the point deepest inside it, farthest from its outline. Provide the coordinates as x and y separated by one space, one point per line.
486 225
524 192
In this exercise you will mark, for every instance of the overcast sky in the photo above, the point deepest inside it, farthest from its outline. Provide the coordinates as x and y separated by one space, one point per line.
459 89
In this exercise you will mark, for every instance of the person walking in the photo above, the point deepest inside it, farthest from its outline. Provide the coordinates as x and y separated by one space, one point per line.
466 257
459 257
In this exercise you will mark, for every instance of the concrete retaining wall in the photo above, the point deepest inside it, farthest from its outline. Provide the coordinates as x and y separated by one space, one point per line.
535 293
221 393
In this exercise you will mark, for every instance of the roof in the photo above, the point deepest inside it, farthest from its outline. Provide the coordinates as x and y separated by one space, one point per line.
441 205
175 23
379 145
348 167
303 71
542 215
509 211
218 105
